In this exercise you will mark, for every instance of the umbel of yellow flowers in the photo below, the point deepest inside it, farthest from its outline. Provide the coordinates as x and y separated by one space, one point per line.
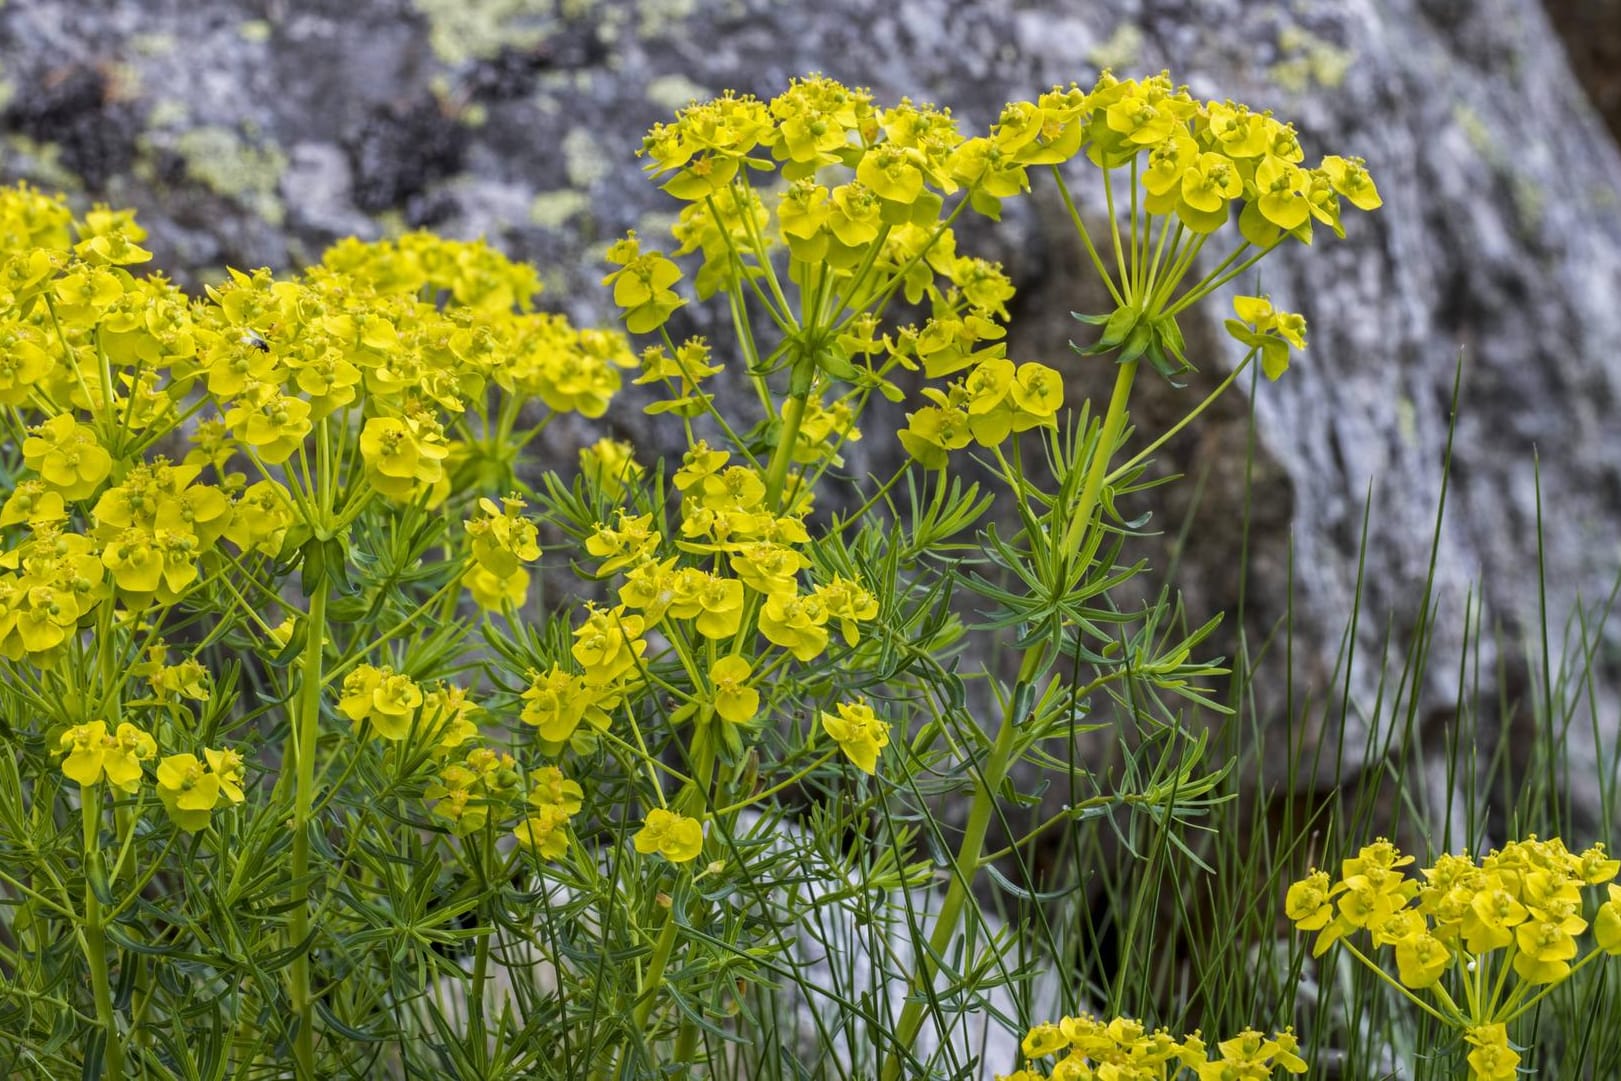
1506 928
1088 1049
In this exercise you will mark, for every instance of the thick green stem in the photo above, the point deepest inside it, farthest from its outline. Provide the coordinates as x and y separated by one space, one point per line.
777 473
95 939
305 731
1114 422
962 880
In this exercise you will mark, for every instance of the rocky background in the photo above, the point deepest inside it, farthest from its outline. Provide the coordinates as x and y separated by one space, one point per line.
253 132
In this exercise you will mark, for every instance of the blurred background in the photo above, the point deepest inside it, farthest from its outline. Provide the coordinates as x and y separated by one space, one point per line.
255 132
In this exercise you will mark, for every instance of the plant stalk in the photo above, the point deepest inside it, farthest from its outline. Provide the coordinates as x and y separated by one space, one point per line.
966 865
301 745
95 939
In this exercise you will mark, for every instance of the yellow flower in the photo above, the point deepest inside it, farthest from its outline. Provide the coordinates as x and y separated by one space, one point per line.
492 592
1492 1059
1038 392
796 624
850 604
555 704
271 422
188 792
1271 332
401 454
650 589
609 465
67 456
32 502
502 539
768 568
226 765
854 219
735 700
632 540
1282 190
1207 185
609 643
1421 959
674 836
893 173
642 284
1607 922
381 696
549 788
23 362
719 606
545 832
1307 902
858 732
1489 922
1350 178
1043 1040
1595 867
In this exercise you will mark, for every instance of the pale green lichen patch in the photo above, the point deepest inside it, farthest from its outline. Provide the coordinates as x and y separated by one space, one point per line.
1476 132
152 44
463 30
253 30
656 18
224 162
551 209
1122 49
675 92
1530 201
584 162
38 162
1309 62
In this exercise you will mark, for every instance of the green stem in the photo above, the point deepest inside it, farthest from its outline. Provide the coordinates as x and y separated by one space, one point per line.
1114 422
1086 239
1368 963
481 953
1546 991
1170 433
305 731
966 866
777 473
95 940
1119 252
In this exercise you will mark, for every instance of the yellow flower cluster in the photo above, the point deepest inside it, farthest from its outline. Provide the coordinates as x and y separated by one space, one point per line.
189 789
1516 910
475 791
1271 332
94 754
394 707
861 214
553 800
1088 1049
502 541
754 560
400 345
